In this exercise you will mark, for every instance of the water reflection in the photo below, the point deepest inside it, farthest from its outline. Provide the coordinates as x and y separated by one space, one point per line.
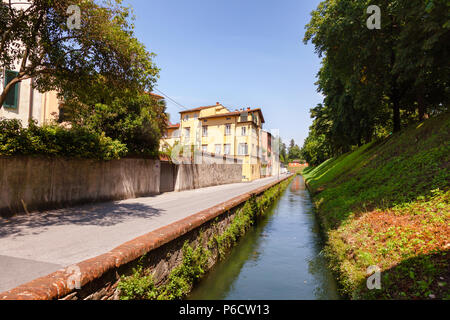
279 258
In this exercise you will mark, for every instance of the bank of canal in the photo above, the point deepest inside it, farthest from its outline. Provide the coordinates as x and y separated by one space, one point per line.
279 258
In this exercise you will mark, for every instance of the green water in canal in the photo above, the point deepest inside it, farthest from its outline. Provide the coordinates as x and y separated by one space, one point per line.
279 258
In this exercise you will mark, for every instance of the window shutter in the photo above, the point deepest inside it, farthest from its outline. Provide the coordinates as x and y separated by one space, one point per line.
13 94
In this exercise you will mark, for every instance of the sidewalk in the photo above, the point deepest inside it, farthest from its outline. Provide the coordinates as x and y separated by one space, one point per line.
38 244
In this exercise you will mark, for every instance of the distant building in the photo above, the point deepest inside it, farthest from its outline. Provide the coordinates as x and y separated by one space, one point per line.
217 130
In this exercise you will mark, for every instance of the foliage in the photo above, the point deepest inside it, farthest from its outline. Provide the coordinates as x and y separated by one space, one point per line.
103 55
54 140
294 152
387 204
137 120
184 276
138 286
375 81
101 72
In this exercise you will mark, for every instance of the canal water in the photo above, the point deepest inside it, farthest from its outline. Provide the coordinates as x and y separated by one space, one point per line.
279 258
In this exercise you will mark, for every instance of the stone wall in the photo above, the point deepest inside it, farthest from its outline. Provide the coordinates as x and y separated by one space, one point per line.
159 251
194 176
37 183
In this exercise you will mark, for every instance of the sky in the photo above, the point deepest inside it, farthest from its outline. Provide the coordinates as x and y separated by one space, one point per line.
241 53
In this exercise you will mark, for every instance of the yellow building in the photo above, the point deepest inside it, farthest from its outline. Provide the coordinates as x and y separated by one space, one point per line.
219 131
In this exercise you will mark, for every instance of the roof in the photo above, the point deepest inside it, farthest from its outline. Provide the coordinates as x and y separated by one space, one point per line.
157 96
235 113
201 108
173 125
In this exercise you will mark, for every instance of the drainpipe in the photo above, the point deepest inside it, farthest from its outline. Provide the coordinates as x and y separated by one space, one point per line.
30 112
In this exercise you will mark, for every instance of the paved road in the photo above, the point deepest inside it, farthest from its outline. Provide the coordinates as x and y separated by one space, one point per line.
41 243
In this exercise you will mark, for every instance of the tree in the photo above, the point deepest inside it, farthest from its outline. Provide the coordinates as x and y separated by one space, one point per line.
103 54
138 120
283 153
375 81
294 152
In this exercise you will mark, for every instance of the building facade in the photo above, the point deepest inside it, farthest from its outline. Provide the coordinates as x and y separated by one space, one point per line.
23 102
217 130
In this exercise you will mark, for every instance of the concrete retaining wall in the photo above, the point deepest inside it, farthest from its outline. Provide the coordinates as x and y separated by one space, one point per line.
98 277
194 176
37 183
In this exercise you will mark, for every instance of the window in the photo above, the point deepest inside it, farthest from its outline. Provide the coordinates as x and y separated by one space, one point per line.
243 131
204 148
204 131
13 95
218 149
195 115
227 149
228 129
186 117
243 149
244 116
187 133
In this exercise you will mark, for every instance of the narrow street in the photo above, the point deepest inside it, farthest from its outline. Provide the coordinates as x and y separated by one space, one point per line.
41 243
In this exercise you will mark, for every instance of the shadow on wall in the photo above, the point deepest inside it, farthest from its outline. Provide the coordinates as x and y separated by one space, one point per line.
104 215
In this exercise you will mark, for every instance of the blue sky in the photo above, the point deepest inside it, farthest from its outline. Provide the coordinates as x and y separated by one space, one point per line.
241 53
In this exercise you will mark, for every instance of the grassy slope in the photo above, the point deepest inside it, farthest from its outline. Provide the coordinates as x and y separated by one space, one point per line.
387 204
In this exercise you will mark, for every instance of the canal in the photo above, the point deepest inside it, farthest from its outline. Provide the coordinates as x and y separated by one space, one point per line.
279 258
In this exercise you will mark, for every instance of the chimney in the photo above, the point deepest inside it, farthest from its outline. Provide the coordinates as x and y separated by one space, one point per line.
217 103
248 108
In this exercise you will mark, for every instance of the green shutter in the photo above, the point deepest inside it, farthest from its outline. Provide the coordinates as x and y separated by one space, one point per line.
13 95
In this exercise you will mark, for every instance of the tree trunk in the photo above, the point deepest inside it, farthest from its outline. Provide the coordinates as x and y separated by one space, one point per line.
396 118
421 107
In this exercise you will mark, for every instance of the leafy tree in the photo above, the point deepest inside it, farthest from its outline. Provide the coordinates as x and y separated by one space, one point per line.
138 120
283 153
103 54
294 152
375 81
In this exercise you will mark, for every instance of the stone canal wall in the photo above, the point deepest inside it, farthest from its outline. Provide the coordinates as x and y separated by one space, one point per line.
158 252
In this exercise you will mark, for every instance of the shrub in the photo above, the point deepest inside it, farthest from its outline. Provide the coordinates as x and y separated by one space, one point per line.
54 140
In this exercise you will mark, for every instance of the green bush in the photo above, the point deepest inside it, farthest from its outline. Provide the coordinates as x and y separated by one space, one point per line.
54 140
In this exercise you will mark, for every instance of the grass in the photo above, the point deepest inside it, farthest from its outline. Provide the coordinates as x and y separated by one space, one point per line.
387 204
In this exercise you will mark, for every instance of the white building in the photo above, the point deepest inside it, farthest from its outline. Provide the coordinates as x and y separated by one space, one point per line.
23 102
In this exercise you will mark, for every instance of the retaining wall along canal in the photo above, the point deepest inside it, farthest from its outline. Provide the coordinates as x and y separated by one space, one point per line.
30 184
38 183
159 252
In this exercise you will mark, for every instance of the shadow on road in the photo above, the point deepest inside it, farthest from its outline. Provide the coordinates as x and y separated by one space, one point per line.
103 215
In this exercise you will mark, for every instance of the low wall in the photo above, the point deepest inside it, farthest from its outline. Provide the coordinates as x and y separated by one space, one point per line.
37 183
194 176
159 251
